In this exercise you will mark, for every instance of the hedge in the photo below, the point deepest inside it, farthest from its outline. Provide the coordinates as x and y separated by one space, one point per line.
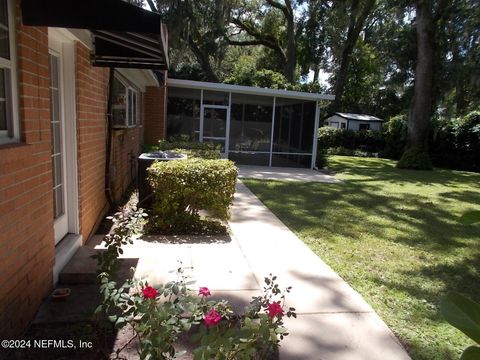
368 141
453 143
182 188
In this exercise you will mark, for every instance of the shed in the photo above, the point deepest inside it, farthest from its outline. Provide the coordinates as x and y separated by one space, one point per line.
355 122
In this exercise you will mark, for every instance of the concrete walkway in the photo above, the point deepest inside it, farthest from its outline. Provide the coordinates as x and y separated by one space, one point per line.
284 173
333 321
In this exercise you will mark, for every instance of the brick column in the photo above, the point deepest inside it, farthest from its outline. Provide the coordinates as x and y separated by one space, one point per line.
155 114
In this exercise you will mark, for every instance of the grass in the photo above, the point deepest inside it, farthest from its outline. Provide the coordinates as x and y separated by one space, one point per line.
394 236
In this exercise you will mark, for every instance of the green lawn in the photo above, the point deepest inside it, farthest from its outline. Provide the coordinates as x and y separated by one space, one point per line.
394 236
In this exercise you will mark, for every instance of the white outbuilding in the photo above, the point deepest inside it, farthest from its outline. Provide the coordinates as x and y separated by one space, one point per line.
355 122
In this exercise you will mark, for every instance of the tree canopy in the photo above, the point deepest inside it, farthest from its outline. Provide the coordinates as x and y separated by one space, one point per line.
366 52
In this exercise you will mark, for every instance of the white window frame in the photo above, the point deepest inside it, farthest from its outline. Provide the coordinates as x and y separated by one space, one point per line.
11 65
132 122
129 121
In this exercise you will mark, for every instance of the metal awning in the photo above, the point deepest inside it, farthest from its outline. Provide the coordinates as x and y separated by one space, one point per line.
124 35
128 50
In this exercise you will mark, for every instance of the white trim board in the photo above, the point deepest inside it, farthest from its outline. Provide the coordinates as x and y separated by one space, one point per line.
240 89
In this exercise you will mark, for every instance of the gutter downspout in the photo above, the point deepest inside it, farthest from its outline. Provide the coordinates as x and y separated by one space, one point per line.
108 190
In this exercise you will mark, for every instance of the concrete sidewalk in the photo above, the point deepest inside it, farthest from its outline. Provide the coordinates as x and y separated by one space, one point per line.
285 174
333 322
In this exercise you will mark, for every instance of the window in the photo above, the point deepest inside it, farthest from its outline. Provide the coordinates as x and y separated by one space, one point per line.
343 125
333 124
124 105
364 127
9 128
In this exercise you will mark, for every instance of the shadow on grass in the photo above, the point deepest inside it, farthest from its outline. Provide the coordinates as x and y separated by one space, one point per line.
391 232
385 170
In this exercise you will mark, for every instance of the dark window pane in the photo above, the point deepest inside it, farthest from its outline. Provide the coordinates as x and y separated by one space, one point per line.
53 71
119 103
3 83
130 107
3 115
4 44
59 202
134 111
57 170
250 123
4 36
3 13
215 97
287 160
183 112
56 138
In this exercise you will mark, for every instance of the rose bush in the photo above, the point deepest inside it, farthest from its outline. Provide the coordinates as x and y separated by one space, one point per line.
160 315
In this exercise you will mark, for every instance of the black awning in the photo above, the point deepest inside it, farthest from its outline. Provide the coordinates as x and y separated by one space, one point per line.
124 35
128 50
111 15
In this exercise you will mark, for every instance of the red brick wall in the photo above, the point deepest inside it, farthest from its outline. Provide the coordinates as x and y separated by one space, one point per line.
91 90
126 148
27 246
155 112
27 249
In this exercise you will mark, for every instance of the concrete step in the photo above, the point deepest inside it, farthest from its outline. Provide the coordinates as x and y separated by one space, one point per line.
82 268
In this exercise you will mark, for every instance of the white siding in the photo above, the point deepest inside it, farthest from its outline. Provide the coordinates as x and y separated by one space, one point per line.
335 121
355 125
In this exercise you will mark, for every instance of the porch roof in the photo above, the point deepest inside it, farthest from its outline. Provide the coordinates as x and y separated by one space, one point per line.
190 84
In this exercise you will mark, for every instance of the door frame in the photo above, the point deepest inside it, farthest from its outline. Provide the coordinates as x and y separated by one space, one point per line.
227 125
62 42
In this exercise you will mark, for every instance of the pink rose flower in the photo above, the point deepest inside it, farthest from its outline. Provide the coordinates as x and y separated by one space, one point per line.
149 292
204 291
212 318
274 309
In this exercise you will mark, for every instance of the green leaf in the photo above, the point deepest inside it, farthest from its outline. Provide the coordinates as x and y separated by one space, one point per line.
120 322
471 353
470 217
462 313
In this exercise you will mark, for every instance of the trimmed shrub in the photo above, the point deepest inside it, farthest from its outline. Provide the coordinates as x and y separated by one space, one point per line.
182 188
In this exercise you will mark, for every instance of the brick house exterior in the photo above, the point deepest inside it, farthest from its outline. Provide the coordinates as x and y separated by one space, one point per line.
30 255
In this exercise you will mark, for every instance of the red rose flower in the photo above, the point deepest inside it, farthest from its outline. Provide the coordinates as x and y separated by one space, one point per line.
204 291
274 309
149 292
212 318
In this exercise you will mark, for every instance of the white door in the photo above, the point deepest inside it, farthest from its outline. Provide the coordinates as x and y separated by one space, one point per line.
57 126
214 125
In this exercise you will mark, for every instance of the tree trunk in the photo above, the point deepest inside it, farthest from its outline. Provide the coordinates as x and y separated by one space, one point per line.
416 151
291 52
354 28
203 60
316 73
